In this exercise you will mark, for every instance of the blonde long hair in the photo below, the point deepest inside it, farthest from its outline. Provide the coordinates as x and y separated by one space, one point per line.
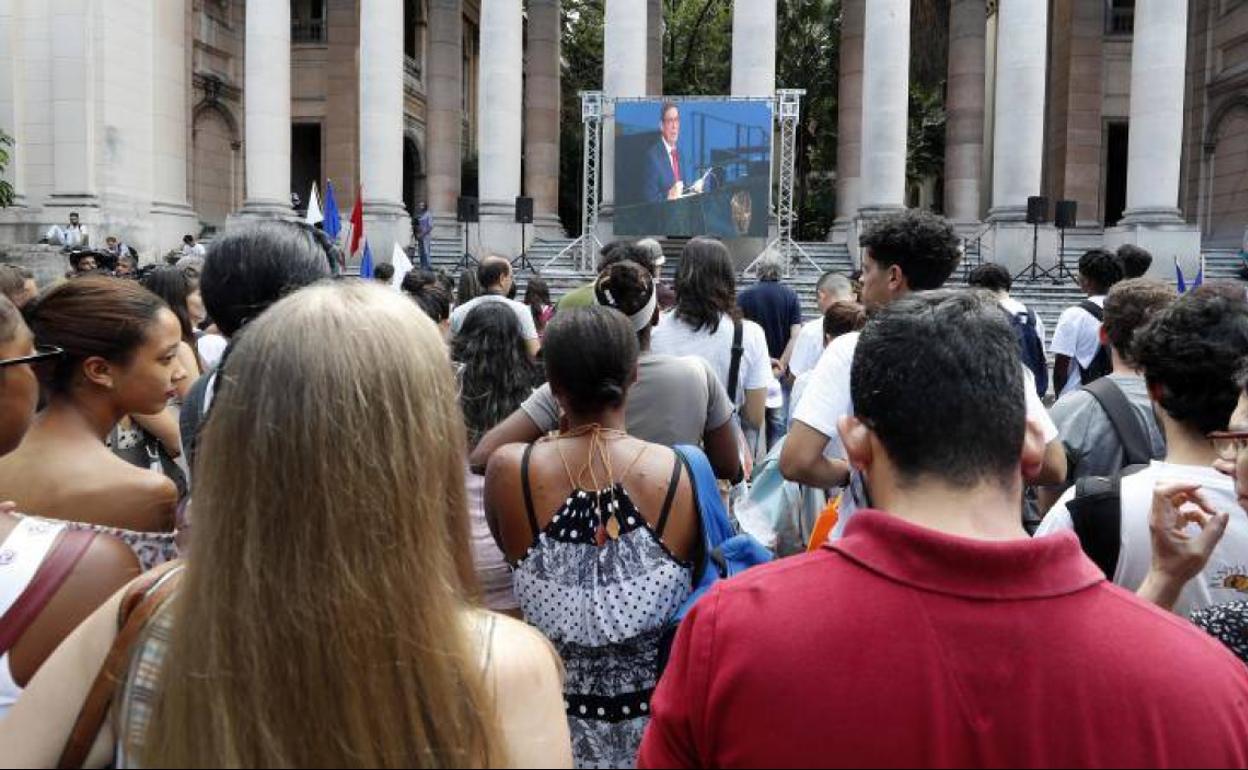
321 621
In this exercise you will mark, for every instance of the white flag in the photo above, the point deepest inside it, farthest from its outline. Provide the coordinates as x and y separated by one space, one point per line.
314 208
402 266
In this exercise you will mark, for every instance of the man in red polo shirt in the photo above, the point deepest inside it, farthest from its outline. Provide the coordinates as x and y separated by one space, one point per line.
938 634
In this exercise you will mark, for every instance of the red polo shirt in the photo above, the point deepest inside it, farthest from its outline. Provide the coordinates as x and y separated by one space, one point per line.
898 646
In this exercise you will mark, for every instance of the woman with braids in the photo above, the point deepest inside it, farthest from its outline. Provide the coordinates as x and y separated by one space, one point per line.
495 377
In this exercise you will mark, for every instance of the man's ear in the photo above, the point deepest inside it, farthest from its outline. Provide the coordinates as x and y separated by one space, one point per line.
1034 450
856 437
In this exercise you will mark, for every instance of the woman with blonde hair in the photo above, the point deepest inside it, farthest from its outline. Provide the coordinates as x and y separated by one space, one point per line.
325 615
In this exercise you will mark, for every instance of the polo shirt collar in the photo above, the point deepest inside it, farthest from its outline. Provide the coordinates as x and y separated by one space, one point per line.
1033 568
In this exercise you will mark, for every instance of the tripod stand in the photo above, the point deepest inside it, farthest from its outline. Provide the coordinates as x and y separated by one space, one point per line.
467 261
1034 268
523 261
1059 270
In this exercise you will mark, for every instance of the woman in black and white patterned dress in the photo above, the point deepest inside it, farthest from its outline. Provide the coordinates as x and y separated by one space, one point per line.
601 530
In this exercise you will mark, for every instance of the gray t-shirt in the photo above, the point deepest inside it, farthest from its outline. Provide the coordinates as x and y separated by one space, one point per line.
675 401
1089 436
527 328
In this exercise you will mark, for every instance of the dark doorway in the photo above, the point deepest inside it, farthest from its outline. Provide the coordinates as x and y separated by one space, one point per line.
1115 172
413 178
305 161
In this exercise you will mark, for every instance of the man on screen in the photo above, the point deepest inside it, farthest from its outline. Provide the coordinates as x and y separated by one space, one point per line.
665 169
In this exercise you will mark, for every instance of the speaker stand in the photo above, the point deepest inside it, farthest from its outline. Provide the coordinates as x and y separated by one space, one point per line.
467 261
523 262
1059 270
1033 272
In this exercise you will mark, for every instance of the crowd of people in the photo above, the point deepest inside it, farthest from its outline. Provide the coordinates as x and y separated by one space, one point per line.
261 514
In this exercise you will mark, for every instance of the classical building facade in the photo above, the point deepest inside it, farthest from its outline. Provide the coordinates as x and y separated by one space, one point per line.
153 118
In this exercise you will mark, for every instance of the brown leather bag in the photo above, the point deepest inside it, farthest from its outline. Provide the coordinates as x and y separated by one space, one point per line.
52 574
140 603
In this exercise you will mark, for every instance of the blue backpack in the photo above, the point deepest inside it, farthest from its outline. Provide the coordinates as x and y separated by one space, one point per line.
1027 330
727 553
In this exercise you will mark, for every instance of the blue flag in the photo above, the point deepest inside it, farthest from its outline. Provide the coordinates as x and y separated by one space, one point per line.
366 263
1200 277
1178 269
333 221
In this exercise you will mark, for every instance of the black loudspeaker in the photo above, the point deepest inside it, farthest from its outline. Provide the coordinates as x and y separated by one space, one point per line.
524 210
1037 210
468 210
1065 214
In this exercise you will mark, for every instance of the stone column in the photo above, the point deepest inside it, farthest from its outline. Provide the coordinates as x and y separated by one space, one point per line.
444 83
623 75
754 48
964 138
1155 148
172 214
73 111
10 97
541 116
266 107
386 221
654 48
500 110
1019 124
849 119
885 98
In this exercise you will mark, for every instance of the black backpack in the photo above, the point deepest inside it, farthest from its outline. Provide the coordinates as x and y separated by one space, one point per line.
1102 364
1027 330
1096 510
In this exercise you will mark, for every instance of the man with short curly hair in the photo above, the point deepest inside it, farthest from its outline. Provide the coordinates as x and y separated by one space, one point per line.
906 252
1189 353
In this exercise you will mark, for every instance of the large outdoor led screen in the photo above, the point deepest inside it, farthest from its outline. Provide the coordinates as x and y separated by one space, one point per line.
692 167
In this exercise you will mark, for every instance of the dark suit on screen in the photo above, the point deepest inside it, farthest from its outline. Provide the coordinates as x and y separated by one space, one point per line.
657 174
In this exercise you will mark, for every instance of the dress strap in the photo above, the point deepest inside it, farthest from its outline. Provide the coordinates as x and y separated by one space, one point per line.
528 491
671 496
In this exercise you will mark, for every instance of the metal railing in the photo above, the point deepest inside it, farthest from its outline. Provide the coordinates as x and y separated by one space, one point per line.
307 31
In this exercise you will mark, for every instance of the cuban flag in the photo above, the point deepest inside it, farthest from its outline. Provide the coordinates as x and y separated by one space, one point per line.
331 219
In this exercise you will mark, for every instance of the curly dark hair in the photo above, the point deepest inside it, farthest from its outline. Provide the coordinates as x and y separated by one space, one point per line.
990 276
429 292
921 243
1191 351
631 251
1101 268
706 285
1135 260
1129 306
496 374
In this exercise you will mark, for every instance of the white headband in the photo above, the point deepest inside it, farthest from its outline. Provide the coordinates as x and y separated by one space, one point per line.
642 318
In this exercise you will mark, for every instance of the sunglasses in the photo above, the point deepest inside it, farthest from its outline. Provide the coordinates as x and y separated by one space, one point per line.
1229 443
41 354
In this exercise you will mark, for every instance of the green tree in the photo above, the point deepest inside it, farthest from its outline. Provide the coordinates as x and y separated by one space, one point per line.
697 47
6 189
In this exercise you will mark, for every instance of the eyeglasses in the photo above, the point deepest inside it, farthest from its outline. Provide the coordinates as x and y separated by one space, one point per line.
41 354
1229 443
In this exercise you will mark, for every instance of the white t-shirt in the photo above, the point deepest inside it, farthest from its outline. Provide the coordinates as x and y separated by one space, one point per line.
1078 336
1014 307
675 337
527 328
211 347
1227 569
808 348
828 398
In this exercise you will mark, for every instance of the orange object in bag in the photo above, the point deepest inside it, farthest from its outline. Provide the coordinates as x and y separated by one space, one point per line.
825 524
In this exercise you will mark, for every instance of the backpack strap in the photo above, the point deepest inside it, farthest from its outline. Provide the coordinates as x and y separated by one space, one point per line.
1093 309
52 574
147 595
734 368
1132 435
528 491
671 496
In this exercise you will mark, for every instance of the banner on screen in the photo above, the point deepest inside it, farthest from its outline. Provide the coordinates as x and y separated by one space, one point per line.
690 167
